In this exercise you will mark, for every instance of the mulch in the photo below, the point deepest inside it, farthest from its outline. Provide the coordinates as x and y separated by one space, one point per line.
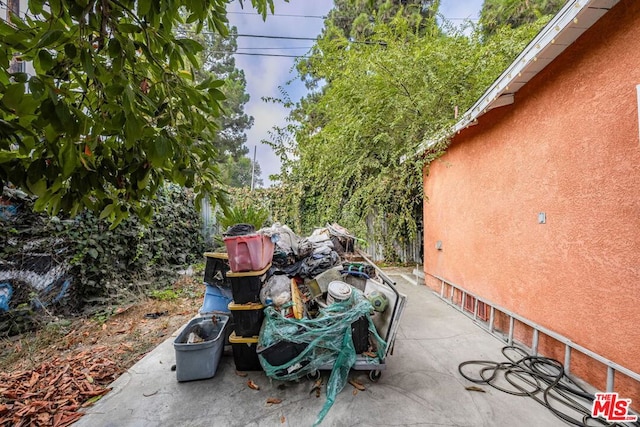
53 393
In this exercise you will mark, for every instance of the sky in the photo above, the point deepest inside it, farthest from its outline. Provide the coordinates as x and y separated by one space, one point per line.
267 75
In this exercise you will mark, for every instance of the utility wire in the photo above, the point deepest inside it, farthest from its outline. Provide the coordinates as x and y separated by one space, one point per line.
274 48
259 36
325 17
264 36
268 54
279 14
3 4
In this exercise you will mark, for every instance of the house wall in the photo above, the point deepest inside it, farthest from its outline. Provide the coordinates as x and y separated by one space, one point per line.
23 9
569 147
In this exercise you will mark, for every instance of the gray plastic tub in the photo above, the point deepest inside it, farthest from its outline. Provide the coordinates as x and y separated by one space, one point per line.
199 360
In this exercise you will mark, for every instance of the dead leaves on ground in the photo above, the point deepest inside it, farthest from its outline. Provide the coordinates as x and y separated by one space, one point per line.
52 393
253 385
357 384
316 387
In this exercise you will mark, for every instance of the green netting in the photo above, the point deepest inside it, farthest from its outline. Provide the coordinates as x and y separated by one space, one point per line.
322 341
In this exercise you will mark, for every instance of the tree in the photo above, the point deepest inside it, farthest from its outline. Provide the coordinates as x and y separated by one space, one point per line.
348 151
114 109
218 62
514 13
238 173
356 19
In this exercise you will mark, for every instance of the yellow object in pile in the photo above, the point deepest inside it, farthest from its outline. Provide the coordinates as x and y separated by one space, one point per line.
297 301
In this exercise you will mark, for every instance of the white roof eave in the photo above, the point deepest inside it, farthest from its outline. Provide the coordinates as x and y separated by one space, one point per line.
566 26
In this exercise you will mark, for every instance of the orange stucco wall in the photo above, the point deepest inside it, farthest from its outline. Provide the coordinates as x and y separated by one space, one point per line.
569 147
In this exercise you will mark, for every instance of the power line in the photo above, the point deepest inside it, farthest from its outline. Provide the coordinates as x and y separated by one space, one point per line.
279 14
259 36
325 17
263 36
268 54
275 48
3 5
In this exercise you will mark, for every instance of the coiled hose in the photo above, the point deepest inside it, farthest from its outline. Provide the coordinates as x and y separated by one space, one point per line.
541 378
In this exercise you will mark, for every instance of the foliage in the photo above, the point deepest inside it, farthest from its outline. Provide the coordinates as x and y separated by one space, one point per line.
238 173
514 13
113 110
164 294
218 62
348 152
247 214
356 19
105 261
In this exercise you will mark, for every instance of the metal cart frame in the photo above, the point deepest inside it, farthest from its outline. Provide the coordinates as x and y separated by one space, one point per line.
364 363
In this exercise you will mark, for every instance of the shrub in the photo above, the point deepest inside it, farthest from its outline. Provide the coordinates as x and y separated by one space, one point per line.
103 262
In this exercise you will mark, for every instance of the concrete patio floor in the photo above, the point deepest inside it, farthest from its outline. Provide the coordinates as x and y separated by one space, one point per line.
421 385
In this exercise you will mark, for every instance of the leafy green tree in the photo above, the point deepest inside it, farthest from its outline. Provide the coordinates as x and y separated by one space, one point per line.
514 13
237 173
356 19
114 109
218 62
348 151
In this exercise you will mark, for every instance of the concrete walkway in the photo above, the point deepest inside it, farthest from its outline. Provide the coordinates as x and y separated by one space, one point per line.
421 385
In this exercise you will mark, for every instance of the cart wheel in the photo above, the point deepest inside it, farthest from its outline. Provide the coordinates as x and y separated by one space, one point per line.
375 375
314 376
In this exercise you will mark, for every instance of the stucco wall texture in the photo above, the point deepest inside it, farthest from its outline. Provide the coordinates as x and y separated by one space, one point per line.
569 147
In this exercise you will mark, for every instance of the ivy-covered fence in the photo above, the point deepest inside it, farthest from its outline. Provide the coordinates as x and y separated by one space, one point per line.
61 264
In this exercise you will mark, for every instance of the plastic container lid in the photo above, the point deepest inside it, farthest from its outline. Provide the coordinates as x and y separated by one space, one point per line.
249 306
234 339
249 273
338 291
219 255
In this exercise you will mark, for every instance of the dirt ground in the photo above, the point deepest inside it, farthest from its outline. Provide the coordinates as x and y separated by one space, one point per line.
48 375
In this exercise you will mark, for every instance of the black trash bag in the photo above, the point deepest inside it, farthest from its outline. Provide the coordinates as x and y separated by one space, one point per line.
313 265
282 260
239 230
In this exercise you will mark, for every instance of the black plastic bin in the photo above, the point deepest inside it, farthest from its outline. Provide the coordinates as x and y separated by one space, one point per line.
247 318
245 286
216 268
360 334
244 352
281 352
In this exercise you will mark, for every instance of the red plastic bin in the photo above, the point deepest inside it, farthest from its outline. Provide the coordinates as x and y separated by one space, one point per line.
250 252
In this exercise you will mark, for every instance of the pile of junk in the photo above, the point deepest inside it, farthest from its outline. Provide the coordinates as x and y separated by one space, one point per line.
292 307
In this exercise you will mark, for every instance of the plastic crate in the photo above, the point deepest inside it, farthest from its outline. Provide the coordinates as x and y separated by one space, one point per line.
247 318
245 286
250 252
216 299
244 352
216 268
197 361
360 334
281 352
